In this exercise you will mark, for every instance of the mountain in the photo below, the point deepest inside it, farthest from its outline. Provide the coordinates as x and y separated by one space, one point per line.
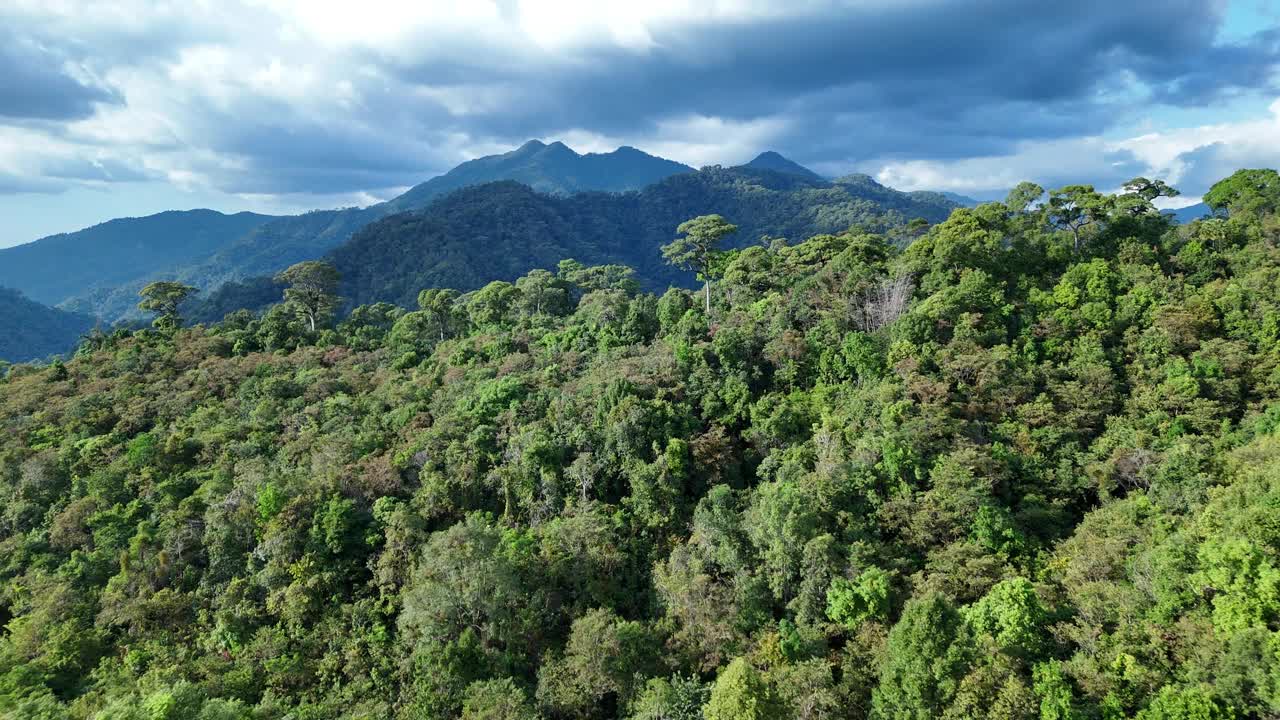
502 230
112 261
961 200
59 268
1191 212
554 169
30 331
770 160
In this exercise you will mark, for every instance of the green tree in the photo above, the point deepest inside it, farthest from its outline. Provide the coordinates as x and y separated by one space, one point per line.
853 602
1256 192
164 298
603 662
1023 196
699 248
1076 207
497 700
677 698
439 305
741 693
928 653
1012 614
1191 703
313 290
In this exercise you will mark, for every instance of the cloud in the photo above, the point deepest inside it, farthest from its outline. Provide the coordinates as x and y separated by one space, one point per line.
39 83
292 97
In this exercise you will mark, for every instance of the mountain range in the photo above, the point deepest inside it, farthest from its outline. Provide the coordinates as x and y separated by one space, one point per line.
529 207
500 231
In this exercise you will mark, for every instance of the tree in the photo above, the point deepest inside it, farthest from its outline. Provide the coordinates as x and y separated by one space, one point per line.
1023 196
699 247
438 304
852 602
678 698
164 297
541 292
605 658
1246 191
1076 207
313 290
741 693
497 700
927 655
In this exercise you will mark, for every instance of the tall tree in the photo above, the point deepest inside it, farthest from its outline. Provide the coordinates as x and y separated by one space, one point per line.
313 289
439 304
164 298
699 247
1076 207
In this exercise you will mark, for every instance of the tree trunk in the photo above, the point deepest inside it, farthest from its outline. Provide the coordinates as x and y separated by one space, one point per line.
706 286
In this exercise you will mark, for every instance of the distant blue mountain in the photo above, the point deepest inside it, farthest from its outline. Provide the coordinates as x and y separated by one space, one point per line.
770 160
1191 212
553 168
57 268
962 200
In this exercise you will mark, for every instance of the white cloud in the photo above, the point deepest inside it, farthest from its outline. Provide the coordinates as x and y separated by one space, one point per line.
288 97
1189 158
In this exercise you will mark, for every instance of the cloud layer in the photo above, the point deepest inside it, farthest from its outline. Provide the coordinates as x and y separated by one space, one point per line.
293 97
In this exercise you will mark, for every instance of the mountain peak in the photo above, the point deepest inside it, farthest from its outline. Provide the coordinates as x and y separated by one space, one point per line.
531 146
561 148
770 160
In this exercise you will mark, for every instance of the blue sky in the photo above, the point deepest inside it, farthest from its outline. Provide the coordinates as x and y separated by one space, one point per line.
110 109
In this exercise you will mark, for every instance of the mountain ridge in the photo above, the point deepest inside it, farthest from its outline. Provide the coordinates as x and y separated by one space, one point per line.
271 243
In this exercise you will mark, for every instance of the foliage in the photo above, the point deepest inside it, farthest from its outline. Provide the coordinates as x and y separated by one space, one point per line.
1043 482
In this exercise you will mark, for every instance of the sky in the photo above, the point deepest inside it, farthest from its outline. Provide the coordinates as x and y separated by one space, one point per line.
130 107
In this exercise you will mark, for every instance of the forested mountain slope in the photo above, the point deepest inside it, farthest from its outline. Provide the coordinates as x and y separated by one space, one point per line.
57 268
30 331
107 264
499 231
1018 470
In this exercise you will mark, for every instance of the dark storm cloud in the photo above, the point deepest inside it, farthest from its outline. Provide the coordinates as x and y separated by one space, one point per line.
1212 73
936 79
939 80
35 86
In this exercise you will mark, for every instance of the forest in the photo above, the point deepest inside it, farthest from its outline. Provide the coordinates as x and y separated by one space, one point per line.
1023 462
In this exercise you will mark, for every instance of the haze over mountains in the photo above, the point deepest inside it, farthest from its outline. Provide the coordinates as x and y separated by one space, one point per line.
608 207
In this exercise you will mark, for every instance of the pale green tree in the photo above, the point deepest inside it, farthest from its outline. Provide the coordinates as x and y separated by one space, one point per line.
699 248
313 290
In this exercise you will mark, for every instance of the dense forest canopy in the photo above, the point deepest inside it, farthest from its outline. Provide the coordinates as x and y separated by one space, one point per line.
1026 467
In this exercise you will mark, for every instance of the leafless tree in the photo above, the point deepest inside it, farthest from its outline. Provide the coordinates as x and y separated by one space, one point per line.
884 302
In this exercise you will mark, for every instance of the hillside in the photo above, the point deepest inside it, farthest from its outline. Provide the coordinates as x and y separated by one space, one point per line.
499 231
31 331
1008 472
58 268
